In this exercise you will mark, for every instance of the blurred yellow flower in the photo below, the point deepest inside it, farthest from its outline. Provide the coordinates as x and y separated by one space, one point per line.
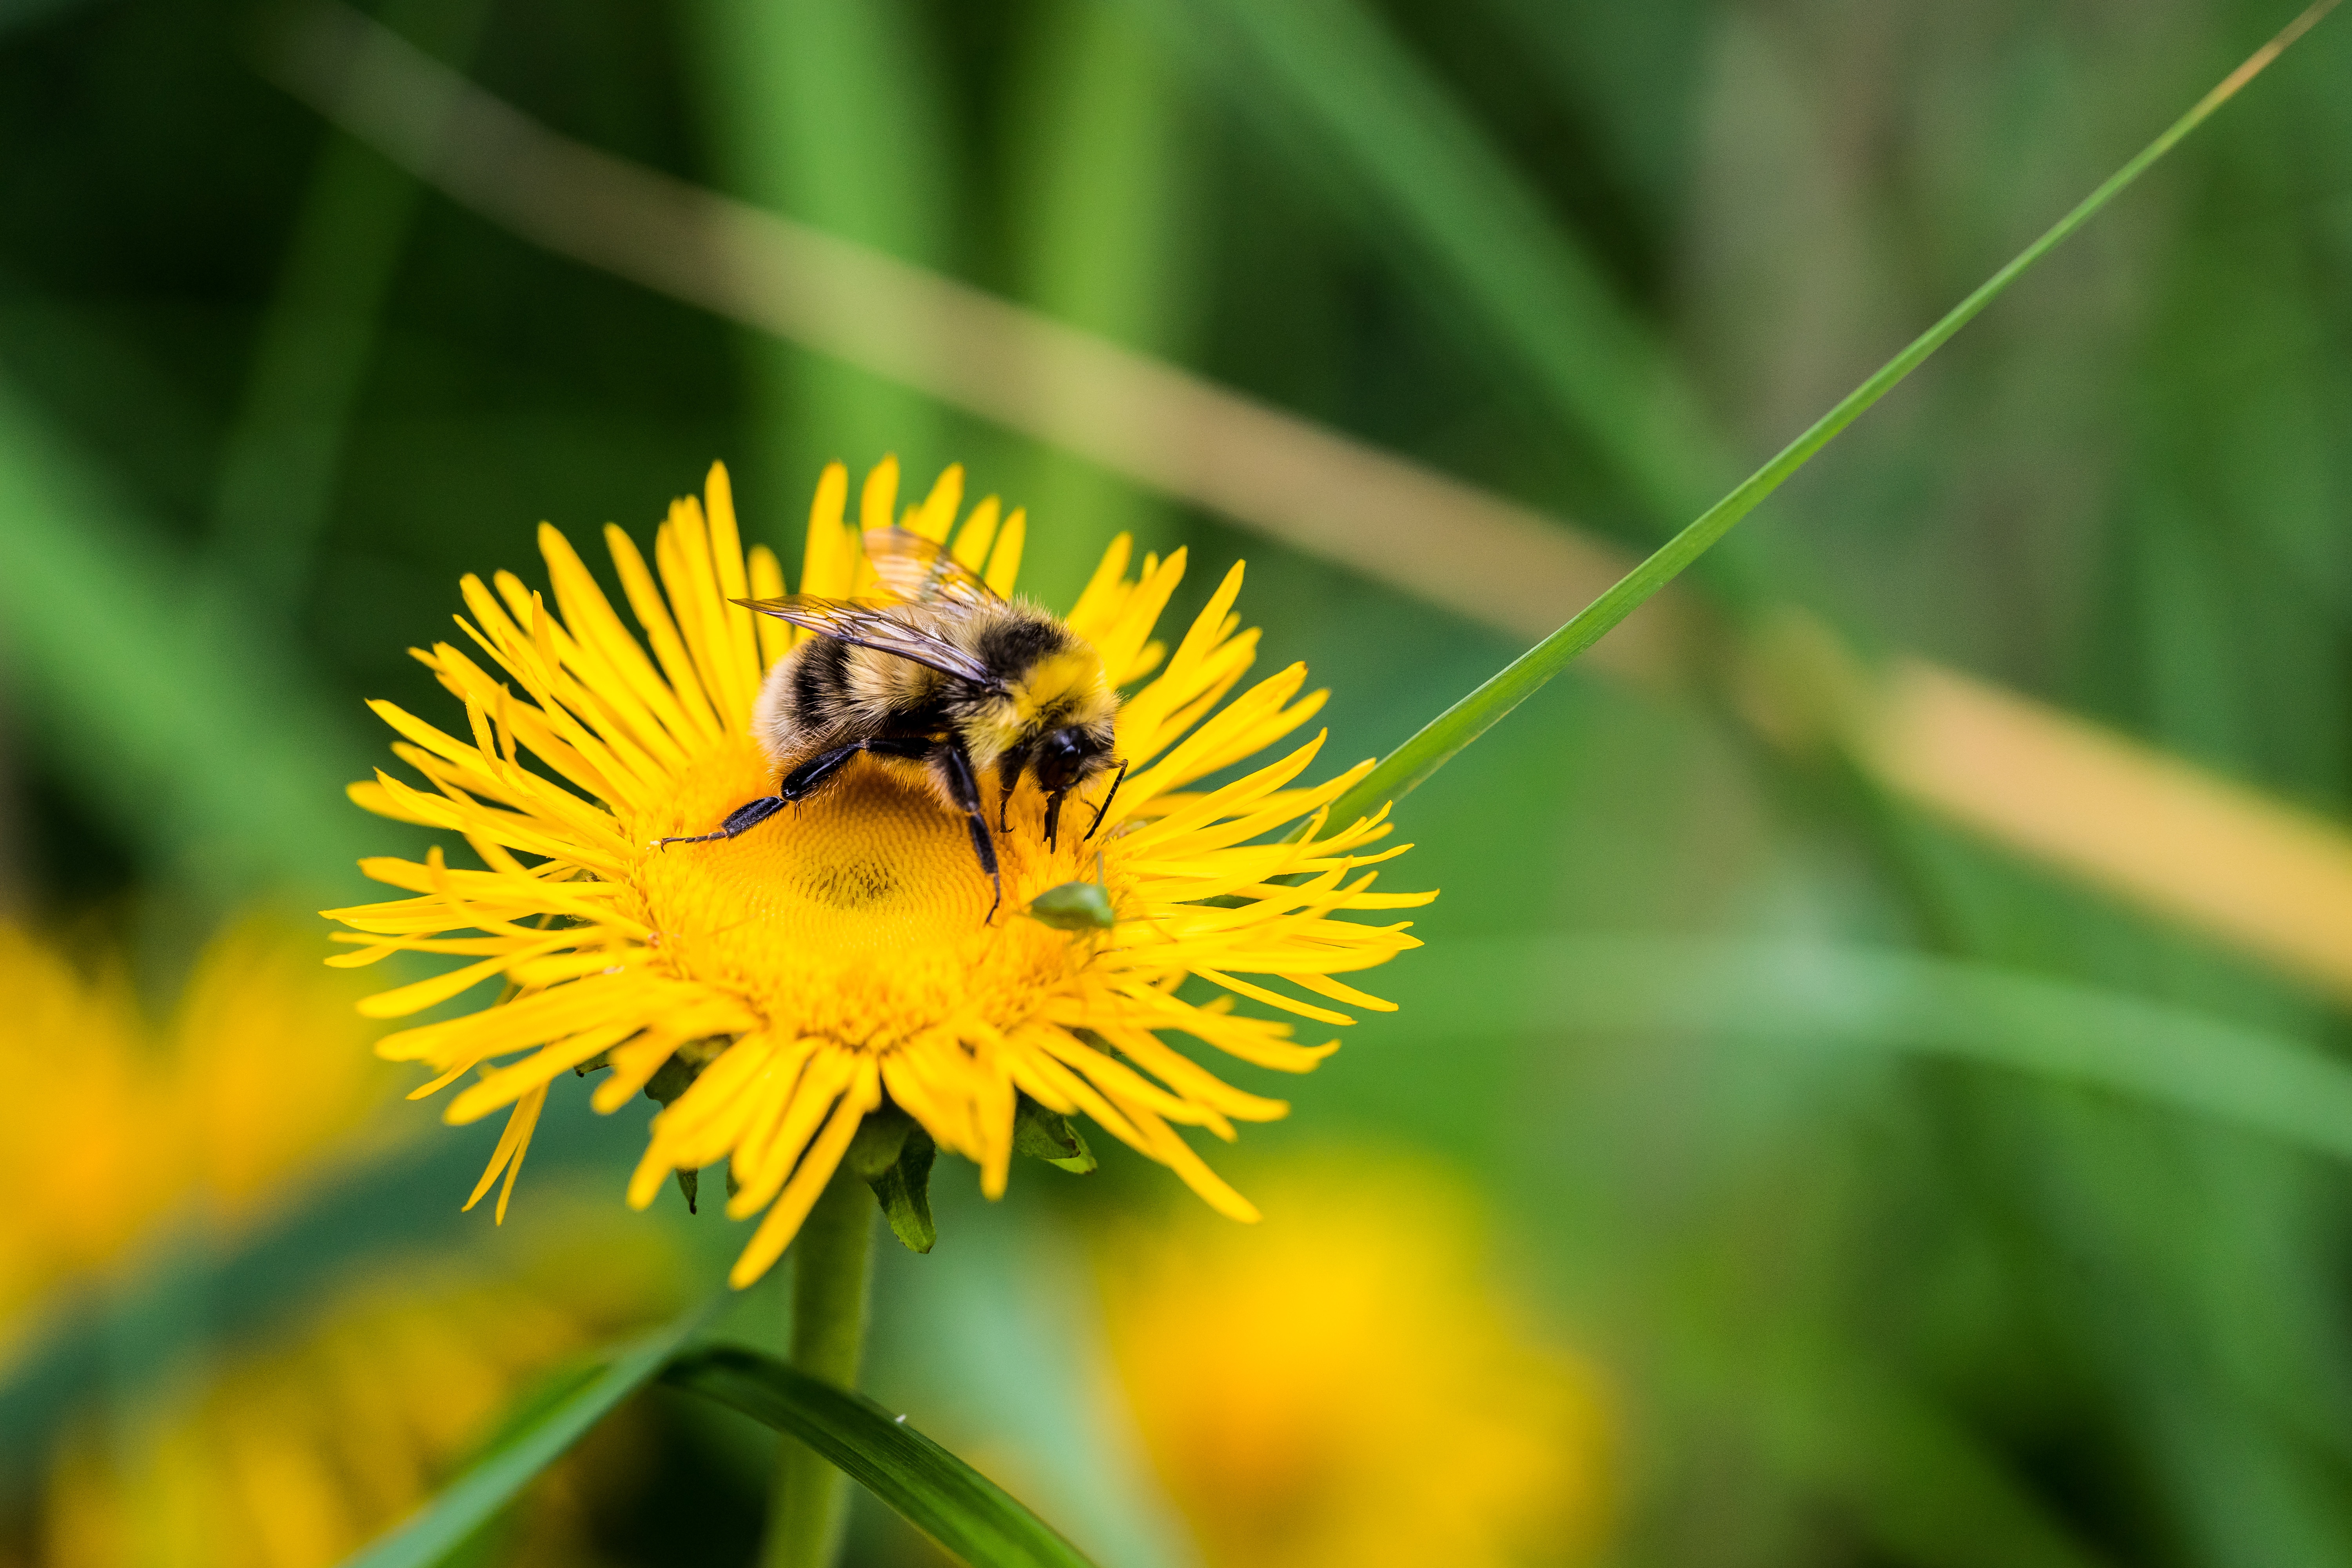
1340 1388
841 954
294 1457
110 1124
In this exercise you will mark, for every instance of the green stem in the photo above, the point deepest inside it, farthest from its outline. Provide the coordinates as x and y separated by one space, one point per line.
831 1261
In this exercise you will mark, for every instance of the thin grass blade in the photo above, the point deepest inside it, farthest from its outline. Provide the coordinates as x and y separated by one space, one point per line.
1439 741
451 1519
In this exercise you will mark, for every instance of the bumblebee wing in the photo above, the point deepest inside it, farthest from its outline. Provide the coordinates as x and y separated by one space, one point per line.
917 570
873 626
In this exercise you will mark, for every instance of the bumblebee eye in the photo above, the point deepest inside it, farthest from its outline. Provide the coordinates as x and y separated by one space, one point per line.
1060 756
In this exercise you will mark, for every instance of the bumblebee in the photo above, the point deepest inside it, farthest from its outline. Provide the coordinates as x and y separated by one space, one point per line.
944 673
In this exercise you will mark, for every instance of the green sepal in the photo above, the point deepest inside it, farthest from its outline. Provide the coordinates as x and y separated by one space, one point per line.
1047 1135
1075 906
876 1147
670 1080
903 1190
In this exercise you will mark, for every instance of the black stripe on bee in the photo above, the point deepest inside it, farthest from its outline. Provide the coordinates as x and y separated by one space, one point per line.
1011 645
820 680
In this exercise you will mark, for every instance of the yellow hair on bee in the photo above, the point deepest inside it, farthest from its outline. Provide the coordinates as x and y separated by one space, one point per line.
1054 681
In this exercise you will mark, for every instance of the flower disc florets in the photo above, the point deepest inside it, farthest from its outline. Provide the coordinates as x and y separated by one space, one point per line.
838 958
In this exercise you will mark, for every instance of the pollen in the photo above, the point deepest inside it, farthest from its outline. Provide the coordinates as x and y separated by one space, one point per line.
840 958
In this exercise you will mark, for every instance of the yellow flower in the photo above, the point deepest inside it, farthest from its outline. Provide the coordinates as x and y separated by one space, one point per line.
840 954
296 1456
110 1123
1339 1389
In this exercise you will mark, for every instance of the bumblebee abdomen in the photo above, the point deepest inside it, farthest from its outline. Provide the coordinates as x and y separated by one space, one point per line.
801 697
826 690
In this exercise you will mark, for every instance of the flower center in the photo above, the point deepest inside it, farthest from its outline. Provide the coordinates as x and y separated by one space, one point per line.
859 914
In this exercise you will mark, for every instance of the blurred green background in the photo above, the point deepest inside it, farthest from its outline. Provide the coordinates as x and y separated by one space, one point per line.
1695 1018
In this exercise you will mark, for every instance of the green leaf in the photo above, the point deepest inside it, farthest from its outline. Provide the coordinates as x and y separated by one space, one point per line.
904 1191
937 1493
451 1519
1439 741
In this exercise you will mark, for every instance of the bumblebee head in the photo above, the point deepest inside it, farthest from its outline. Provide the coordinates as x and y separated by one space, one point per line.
1067 757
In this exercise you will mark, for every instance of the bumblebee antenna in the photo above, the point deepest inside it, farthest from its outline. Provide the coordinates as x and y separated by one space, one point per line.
1105 807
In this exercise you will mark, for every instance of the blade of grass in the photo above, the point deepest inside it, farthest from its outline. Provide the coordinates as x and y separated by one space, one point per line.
449 1521
1445 736
940 1495
1851 997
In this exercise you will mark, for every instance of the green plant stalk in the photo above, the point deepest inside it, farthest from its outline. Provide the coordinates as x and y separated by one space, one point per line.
1403 770
831 1259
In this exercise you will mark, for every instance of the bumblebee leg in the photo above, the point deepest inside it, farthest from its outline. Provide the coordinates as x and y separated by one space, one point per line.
1105 807
806 779
955 767
914 747
803 781
742 819
1008 778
